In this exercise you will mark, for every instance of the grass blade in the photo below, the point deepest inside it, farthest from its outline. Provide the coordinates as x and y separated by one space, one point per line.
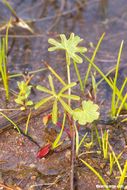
27 122
123 175
113 103
122 104
10 121
96 173
92 59
56 143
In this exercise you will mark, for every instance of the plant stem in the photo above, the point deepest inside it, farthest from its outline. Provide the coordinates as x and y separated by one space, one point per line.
71 126
72 159
68 76
78 75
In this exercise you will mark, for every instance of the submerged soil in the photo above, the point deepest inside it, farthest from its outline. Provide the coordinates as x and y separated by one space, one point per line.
19 166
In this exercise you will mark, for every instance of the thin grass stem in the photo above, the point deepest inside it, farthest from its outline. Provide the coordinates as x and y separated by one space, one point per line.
78 76
113 103
92 59
10 121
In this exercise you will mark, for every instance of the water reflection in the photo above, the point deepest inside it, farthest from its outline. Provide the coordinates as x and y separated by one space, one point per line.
103 6
80 16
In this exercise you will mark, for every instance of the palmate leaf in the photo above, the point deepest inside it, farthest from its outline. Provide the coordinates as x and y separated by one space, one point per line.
69 45
87 114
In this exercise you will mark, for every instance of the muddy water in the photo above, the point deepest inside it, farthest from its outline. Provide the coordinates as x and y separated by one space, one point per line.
19 166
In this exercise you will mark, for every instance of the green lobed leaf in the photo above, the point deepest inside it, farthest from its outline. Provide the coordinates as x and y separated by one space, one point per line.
51 83
43 101
66 106
87 114
72 97
70 45
44 89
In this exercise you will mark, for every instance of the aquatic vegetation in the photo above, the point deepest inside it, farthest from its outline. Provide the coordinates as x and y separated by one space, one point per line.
78 143
116 93
97 174
105 144
57 97
77 111
87 114
70 46
24 93
89 111
3 61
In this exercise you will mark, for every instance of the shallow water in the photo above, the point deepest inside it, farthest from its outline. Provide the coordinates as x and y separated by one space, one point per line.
28 51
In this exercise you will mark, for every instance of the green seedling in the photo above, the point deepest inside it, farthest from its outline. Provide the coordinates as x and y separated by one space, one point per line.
72 52
27 122
14 124
92 60
98 136
116 92
78 143
70 46
57 97
111 161
23 96
3 61
123 173
113 104
122 177
96 173
57 142
105 144
118 100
